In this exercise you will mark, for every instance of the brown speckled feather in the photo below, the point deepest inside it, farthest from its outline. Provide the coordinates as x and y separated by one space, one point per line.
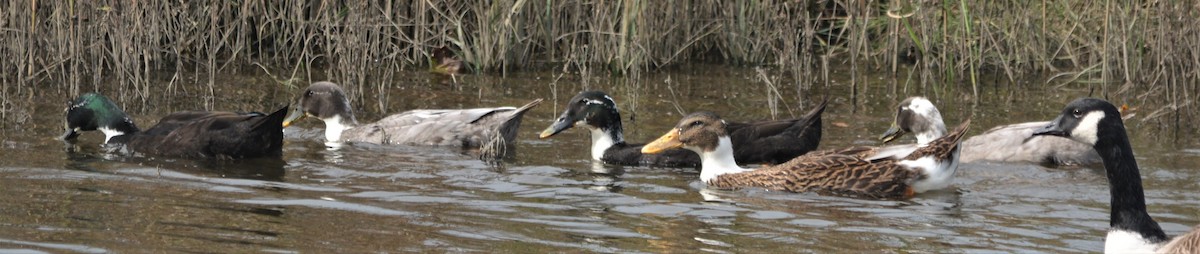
843 171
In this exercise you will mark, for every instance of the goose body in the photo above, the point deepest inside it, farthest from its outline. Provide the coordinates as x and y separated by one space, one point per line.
769 142
850 171
468 128
1131 229
1016 143
187 134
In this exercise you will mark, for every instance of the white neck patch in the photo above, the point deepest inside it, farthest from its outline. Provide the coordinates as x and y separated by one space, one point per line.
1086 131
601 141
718 162
334 128
110 133
1122 241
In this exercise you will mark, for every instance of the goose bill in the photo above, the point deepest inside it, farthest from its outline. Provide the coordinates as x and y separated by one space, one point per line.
294 115
564 122
668 141
892 134
1053 129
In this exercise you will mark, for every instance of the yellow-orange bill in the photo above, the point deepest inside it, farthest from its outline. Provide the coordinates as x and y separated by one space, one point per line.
668 141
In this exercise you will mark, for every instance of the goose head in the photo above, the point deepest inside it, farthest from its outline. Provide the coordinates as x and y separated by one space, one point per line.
93 111
1087 120
326 101
916 115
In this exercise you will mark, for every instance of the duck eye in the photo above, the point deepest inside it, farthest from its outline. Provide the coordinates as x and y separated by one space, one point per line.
1076 113
308 93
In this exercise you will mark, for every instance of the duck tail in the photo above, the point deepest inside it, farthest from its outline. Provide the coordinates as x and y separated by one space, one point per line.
270 125
505 133
809 126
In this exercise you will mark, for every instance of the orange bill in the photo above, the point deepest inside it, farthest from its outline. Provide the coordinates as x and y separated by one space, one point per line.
296 114
668 141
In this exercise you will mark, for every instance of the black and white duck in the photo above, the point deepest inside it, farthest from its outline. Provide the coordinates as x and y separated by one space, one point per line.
1131 230
467 128
856 171
186 134
767 142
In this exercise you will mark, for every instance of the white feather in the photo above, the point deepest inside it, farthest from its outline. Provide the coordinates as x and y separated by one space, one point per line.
601 141
334 128
717 162
1121 241
939 175
925 109
110 133
1086 131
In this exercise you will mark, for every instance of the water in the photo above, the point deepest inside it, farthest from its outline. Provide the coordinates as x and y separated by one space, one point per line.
550 197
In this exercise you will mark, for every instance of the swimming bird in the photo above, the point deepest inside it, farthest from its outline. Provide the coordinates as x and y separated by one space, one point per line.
186 134
1016 143
1131 230
467 128
768 142
843 171
1006 143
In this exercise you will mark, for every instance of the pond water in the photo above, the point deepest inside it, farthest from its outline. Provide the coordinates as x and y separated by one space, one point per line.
550 197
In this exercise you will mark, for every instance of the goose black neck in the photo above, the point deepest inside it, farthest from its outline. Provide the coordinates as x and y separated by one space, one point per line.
1125 186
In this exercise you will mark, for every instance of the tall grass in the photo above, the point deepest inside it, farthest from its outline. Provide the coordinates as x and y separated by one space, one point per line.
1140 52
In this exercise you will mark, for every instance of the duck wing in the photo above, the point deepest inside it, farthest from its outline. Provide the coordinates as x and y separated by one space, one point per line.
204 134
834 173
1016 143
778 141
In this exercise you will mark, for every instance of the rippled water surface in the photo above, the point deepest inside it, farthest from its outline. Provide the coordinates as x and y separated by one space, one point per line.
550 196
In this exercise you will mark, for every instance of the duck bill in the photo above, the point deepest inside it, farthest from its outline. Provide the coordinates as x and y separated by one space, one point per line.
564 122
892 134
296 114
1052 129
668 141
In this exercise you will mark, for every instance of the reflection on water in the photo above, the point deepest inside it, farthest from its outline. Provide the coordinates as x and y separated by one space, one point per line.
549 196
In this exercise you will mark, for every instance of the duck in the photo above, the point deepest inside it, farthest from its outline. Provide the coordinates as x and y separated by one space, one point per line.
1012 143
477 128
840 171
1098 123
765 142
185 134
444 62
1015 143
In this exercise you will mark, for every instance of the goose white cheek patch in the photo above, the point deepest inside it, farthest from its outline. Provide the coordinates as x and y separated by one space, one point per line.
1086 131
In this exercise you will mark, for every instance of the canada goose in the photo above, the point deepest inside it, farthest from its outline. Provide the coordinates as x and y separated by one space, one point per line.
1131 230
186 134
769 142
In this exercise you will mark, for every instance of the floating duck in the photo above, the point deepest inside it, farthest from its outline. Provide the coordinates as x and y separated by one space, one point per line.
468 128
843 171
186 134
768 142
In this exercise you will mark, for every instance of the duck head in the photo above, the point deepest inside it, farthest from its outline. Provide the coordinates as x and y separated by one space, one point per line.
93 111
703 133
1087 120
593 109
326 101
700 132
918 116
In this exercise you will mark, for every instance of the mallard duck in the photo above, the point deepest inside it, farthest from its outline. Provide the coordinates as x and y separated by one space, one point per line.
758 142
188 134
1131 230
468 128
838 171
